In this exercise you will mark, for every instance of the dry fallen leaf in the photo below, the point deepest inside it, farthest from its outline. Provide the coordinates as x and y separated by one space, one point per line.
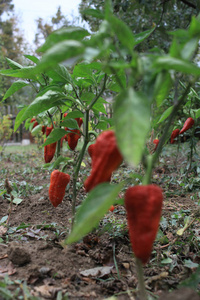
3 230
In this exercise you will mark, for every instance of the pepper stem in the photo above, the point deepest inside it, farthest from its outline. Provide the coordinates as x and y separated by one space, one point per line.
140 274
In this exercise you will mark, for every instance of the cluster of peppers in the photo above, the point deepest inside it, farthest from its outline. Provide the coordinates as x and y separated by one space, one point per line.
176 132
143 203
72 136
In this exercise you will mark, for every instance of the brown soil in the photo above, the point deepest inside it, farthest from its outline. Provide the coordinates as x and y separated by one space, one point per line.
31 251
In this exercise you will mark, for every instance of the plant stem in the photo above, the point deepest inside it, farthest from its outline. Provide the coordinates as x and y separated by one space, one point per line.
151 161
99 94
78 163
140 274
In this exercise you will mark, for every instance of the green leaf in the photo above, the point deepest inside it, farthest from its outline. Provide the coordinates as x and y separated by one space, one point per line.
40 104
17 85
162 86
171 63
54 136
60 74
132 123
3 219
166 261
63 34
66 50
189 48
25 72
13 64
123 32
70 123
140 37
197 113
32 58
189 264
17 200
92 210
74 114
166 114
93 12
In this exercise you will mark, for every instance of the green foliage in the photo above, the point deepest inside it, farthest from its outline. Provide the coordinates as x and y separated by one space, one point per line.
93 209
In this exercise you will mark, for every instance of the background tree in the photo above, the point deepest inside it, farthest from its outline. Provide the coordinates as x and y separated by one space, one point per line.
11 41
141 15
44 28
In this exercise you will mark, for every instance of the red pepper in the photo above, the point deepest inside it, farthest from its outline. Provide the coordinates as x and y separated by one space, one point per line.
156 142
91 150
79 121
49 152
49 130
105 159
58 183
43 129
187 125
112 208
35 122
143 206
73 137
174 134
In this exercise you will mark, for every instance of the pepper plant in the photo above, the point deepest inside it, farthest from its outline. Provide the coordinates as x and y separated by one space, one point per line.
75 74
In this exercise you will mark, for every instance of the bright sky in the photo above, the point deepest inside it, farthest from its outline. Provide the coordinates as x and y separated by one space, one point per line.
28 11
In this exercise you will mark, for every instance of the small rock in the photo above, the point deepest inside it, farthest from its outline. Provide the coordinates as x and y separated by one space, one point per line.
18 255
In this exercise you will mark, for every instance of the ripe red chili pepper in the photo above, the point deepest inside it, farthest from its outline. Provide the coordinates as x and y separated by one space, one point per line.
79 121
91 149
43 129
35 122
49 130
105 159
156 142
73 137
174 134
112 208
58 183
49 152
187 125
143 206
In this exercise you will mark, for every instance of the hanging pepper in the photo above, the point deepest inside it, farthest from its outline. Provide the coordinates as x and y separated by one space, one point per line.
187 125
156 142
58 183
49 152
91 149
43 129
174 134
35 122
73 137
49 130
143 206
79 121
105 159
